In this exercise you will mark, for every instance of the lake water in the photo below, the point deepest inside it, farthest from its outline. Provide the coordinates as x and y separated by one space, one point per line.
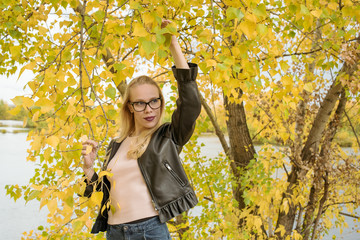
16 217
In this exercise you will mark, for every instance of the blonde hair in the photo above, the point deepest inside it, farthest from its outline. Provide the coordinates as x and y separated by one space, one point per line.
140 143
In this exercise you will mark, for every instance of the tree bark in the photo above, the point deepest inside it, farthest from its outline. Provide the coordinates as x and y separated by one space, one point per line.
241 147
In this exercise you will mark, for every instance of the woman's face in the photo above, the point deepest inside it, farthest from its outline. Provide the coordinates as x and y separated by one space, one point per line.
150 116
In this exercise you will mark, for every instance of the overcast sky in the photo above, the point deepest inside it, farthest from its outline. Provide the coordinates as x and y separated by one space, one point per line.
11 87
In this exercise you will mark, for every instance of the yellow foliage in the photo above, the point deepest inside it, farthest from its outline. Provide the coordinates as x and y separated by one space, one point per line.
239 45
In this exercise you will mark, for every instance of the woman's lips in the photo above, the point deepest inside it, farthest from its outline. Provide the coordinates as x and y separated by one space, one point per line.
149 119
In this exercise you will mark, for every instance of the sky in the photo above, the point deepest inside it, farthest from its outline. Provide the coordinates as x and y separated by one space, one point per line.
12 86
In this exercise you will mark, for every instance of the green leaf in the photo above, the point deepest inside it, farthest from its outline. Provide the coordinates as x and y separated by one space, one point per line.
160 38
110 92
70 201
304 10
149 46
260 10
119 66
232 13
261 29
99 15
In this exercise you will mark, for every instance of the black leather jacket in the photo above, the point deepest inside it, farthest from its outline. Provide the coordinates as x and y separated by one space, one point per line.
160 164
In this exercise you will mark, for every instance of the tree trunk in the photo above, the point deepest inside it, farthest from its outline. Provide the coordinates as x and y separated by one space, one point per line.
241 147
309 152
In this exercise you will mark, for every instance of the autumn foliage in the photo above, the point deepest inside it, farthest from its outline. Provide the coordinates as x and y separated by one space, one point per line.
292 64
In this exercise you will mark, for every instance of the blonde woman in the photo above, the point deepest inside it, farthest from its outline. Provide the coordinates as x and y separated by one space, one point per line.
148 185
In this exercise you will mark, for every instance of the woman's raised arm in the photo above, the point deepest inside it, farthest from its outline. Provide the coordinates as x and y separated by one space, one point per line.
179 58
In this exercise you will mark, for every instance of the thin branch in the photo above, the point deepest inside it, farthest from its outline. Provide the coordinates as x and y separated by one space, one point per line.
353 129
321 205
160 74
218 131
350 215
260 130
81 56
61 50
118 7
286 171
62 104
102 27
98 100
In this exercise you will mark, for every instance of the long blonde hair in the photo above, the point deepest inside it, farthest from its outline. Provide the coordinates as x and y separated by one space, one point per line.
140 143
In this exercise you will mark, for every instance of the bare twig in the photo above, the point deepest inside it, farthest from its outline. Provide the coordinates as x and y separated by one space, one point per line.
218 131
353 129
350 215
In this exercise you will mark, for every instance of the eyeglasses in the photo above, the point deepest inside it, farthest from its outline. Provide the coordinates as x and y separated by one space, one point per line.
140 106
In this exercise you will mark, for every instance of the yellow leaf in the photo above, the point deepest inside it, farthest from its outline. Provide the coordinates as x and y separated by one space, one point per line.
15 51
148 19
287 81
88 149
257 222
36 143
25 121
88 223
211 63
36 116
251 17
139 30
316 13
248 107
36 187
96 197
308 87
45 104
285 206
52 205
27 102
205 34
71 110
248 28
105 173
53 141
333 6
89 103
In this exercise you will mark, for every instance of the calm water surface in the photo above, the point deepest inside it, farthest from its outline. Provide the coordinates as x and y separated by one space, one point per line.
16 217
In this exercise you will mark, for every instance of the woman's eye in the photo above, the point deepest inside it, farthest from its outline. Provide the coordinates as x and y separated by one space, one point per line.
139 104
155 100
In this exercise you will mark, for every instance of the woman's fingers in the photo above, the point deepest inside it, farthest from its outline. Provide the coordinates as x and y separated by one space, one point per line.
89 146
165 22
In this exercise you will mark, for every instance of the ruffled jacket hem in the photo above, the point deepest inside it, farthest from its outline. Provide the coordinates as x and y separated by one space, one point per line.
177 207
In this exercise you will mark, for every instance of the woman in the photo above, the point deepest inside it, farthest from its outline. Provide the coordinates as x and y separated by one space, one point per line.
148 185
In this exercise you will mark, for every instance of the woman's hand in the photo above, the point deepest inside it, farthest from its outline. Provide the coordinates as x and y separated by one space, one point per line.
165 22
89 151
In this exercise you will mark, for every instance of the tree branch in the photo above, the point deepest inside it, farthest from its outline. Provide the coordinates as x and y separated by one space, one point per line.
218 131
353 129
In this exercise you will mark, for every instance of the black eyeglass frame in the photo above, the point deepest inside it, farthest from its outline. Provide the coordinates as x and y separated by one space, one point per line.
146 104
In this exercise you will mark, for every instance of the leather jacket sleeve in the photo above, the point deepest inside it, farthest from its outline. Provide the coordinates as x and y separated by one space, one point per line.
188 104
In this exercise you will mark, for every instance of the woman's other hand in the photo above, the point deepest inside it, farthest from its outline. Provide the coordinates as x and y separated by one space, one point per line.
88 152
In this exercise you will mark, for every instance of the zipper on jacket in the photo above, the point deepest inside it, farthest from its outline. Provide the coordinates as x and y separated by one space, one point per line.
154 205
173 173
148 186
